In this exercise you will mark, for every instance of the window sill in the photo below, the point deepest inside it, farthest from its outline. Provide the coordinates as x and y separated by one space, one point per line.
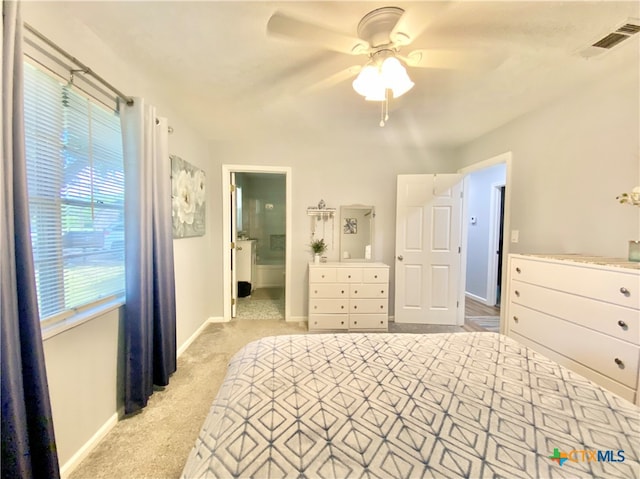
82 317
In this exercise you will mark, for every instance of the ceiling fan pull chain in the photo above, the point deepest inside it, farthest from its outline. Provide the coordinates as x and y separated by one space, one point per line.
384 108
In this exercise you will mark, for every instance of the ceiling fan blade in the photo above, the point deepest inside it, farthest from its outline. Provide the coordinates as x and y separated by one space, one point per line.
284 25
415 20
334 79
453 59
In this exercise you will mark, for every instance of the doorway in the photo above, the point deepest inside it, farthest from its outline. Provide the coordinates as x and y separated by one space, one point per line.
256 246
485 219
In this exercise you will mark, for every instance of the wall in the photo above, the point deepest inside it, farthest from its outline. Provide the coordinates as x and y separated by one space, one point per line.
84 363
479 192
570 160
341 174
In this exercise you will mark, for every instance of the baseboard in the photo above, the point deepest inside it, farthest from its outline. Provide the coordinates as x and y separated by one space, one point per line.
193 337
477 298
217 319
75 460
297 319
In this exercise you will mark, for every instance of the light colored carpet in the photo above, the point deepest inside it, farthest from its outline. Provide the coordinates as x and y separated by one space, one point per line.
155 443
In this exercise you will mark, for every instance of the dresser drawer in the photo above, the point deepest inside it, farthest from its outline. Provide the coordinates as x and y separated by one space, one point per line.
349 275
618 287
328 321
328 306
609 356
322 275
368 321
368 290
375 275
368 305
328 290
618 321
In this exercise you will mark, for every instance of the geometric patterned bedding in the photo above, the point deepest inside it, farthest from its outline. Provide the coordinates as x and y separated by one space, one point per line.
472 405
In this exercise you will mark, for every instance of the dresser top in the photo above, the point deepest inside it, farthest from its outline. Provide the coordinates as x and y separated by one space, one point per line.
597 260
349 264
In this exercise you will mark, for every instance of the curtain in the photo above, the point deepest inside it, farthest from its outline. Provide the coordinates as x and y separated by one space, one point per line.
28 443
150 309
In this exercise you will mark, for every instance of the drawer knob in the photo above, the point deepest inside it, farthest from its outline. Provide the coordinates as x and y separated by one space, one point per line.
619 362
355 322
518 270
341 322
355 306
375 276
355 292
382 291
625 291
315 291
382 306
517 293
348 276
342 307
622 324
515 318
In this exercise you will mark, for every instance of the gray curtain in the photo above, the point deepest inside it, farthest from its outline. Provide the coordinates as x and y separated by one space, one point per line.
28 443
150 309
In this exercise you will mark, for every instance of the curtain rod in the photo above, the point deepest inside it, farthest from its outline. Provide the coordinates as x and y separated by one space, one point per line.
84 68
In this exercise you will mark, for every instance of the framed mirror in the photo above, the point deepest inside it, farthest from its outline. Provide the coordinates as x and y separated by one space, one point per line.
356 232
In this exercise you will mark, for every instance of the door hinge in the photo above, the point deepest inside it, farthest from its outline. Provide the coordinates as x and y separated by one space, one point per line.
233 301
462 194
457 304
232 188
459 249
233 245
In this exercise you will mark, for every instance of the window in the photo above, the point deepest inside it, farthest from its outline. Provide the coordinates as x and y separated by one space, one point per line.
76 196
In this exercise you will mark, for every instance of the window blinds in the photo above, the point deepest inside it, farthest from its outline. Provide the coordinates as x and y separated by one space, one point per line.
76 196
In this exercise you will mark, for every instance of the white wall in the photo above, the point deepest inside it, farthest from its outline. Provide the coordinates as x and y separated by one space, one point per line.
341 174
479 192
570 160
84 363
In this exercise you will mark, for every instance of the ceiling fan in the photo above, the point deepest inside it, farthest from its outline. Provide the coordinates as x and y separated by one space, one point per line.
381 35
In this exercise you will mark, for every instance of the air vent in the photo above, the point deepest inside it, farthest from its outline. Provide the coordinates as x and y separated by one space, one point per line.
610 40
629 28
617 36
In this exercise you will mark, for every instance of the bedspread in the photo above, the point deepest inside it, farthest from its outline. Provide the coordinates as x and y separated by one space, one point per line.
409 405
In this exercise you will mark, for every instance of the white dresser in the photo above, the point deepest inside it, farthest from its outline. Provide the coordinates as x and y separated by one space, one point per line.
348 296
583 312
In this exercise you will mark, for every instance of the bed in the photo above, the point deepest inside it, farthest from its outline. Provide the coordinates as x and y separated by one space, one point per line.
410 405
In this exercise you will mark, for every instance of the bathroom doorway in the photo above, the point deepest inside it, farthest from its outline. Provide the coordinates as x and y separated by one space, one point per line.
256 247
260 244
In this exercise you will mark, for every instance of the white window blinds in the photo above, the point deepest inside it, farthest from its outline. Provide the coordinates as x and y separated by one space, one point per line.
76 196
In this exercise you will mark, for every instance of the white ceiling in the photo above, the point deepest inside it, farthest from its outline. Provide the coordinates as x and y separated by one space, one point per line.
235 81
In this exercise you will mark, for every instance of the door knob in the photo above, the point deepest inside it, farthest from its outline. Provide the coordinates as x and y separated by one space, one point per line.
400 258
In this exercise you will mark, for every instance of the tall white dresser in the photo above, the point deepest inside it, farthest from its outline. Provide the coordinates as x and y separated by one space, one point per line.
348 296
583 312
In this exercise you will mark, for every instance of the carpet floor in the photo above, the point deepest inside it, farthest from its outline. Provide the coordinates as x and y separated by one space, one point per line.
155 443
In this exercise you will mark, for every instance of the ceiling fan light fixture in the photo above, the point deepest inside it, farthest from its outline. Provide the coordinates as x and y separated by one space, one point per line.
395 77
374 80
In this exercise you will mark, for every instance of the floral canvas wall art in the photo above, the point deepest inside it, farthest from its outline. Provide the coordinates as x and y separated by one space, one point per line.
188 195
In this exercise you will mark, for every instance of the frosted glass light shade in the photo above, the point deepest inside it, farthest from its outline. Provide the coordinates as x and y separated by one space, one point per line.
373 81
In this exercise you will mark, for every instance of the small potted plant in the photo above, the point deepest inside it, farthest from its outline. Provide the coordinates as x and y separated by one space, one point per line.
318 247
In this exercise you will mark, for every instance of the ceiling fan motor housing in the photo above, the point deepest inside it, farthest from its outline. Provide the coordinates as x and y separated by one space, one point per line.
376 26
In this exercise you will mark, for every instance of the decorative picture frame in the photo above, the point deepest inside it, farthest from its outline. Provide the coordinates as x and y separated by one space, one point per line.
188 199
350 226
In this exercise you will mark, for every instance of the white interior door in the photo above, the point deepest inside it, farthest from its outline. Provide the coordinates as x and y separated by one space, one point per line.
428 241
233 242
